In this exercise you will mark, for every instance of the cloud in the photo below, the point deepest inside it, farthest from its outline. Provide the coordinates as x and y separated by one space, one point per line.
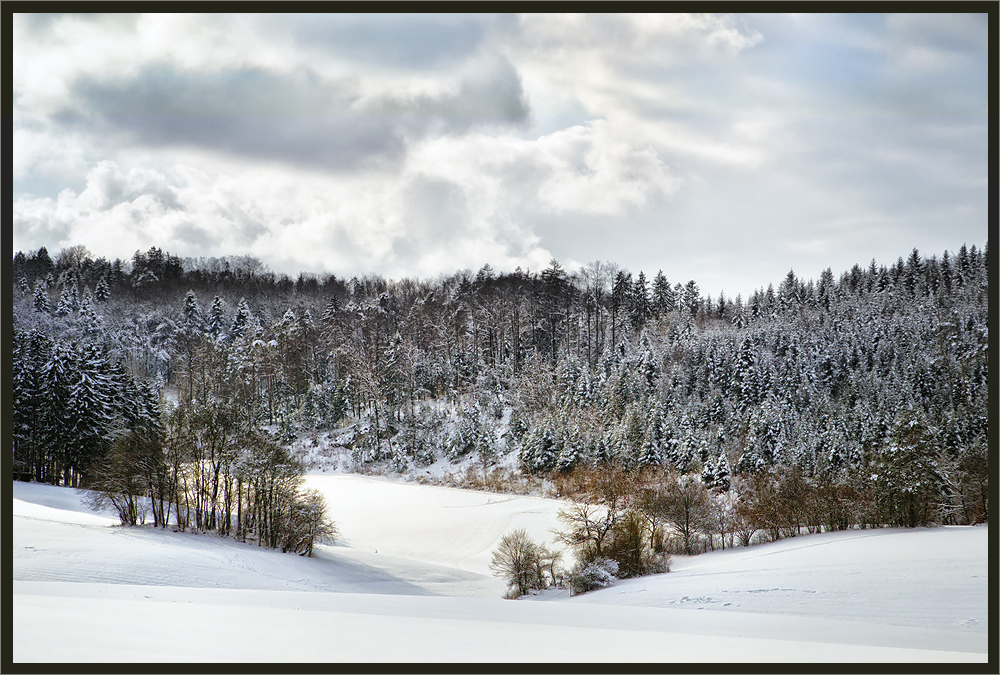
193 236
934 43
334 92
108 187
411 42
616 64
492 96
117 212
593 172
45 159
295 117
43 25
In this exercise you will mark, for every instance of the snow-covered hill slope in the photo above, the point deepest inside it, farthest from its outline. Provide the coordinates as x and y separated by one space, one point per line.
87 590
441 525
931 578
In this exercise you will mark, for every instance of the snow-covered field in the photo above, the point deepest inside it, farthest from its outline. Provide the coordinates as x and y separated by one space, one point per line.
410 583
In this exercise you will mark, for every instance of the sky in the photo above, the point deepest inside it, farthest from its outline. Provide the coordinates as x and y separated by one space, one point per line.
725 149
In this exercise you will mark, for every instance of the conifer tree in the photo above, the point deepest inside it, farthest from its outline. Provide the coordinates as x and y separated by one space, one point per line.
639 305
572 451
242 321
621 291
216 317
191 312
89 320
723 473
41 299
102 291
651 454
65 306
692 298
663 295
89 407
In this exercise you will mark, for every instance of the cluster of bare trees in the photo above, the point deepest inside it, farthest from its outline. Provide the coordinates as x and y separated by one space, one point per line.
611 533
624 523
250 489
211 463
679 513
525 564
201 472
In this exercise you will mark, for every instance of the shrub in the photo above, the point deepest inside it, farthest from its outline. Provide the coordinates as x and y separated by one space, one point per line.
306 524
124 477
598 573
614 531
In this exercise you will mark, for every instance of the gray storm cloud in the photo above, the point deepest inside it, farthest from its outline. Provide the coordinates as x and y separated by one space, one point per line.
297 117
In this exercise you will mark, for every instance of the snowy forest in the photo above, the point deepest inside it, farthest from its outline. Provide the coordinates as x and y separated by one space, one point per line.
186 389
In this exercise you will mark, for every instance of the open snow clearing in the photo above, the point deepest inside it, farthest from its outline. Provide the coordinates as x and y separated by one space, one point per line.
413 565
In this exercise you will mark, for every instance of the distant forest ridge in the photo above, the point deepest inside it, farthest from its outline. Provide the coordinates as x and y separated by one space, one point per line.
857 399
164 269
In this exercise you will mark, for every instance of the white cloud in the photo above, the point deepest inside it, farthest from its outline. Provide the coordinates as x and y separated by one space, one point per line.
615 63
592 171
40 149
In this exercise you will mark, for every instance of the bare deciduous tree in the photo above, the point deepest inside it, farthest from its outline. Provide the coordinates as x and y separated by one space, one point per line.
518 559
681 502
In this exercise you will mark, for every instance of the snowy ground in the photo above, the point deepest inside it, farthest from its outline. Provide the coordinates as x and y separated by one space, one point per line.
409 583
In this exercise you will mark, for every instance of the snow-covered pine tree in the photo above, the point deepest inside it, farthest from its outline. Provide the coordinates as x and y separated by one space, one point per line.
650 456
102 291
648 368
708 474
74 294
28 397
88 319
89 408
216 317
663 295
567 376
722 473
191 313
529 448
639 305
602 451
584 395
572 451
58 376
65 306
242 322
541 449
40 302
